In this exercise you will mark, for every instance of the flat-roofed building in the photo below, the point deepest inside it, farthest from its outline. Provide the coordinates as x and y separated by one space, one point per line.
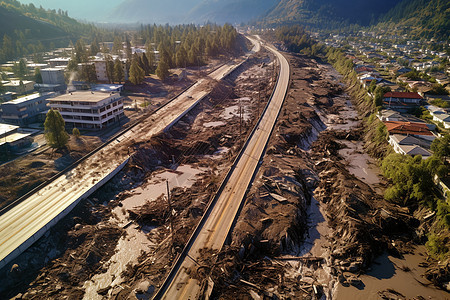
89 110
24 110
19 86
53 76
12 139
101 72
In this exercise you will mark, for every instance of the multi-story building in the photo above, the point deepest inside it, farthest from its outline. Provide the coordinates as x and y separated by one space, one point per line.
24 110
100 69
89 110
53 76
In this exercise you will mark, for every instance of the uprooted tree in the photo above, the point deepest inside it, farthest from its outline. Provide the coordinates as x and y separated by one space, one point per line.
54 130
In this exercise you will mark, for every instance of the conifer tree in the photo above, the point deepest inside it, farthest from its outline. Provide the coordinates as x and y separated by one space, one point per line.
54 130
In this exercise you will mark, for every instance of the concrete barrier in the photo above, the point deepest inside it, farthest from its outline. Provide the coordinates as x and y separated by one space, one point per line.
24 246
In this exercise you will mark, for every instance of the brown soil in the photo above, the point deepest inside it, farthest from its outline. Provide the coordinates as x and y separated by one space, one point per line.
77 251
22 175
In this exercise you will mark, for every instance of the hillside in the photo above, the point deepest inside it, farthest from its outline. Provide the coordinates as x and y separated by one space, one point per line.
421 18
327 13
230 11
26 29
11 21
152 11
190 11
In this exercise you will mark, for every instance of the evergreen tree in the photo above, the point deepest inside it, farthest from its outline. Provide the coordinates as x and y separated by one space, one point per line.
137 75
117 46
110 69
146 64
37 75
20 70
163 70
95 48
128 49
54 130
118 71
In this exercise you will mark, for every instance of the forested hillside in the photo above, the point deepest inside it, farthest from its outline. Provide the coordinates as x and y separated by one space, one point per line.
328 13
26 29
422 18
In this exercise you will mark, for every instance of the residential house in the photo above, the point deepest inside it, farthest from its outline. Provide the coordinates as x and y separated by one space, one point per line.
401 101
392 115
439 115
410 145
407 128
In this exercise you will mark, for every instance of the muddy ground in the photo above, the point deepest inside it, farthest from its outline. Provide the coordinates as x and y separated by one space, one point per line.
273 253
78 257
23 174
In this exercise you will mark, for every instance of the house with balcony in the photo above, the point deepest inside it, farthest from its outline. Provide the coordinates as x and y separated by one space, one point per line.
89 110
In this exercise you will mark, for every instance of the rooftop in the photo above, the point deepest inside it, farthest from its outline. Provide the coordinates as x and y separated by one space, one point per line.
24 99
82 96
407 128
407 95
5 128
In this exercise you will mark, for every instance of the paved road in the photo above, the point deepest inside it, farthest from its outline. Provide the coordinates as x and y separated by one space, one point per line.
218 224
27 221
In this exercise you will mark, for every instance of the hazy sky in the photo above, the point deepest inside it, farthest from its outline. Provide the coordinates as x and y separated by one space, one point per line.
80 9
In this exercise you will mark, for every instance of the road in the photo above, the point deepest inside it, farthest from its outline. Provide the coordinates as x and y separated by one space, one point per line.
26 222
212 234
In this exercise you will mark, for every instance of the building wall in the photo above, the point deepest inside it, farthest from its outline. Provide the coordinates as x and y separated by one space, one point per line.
53 76
25 112
90 115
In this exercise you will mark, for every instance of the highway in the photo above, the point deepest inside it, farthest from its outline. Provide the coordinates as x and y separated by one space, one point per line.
26 222
217 222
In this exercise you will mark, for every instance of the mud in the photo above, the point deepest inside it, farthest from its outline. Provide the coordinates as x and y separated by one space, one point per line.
145 223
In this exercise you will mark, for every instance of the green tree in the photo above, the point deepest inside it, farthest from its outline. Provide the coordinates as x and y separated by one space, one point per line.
441 146
118 71
163 70
37 75
117 46
128 49
137 75
20 69
54 130
95 48
110 69
75 132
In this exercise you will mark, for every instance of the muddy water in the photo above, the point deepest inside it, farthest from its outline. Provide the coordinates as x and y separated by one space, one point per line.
130 247
402 275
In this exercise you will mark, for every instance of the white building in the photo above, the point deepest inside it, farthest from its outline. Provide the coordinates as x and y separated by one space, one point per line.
409 145
439 115
90 110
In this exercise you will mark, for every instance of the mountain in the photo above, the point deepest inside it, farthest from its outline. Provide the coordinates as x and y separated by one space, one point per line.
329 12
230 11
190 11
421 18
11 21
152 11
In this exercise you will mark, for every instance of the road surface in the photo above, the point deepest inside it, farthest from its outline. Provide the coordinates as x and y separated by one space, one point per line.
212 235
25 223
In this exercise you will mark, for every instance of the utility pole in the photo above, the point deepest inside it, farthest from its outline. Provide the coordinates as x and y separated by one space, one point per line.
172 232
